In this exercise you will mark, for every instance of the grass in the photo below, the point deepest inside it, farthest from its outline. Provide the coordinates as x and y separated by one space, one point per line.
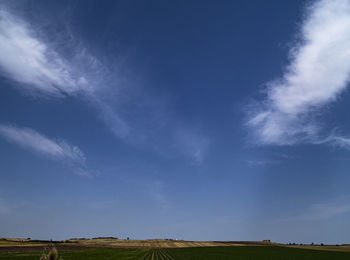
199 253
259 252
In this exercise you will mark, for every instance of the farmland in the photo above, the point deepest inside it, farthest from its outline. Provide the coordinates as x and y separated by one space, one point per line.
205 253
168 250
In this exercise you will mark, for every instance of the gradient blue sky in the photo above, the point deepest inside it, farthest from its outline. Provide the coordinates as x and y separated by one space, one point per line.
197 120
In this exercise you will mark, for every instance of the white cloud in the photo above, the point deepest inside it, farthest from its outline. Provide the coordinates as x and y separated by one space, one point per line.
39 70
261 162
34 141
335 139
318 73
108 115
28 60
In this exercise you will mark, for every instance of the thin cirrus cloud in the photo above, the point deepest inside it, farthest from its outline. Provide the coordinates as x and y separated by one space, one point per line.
26 58
325 211
4 208
192 144
322 211
36 142
318 72
40 71
30 62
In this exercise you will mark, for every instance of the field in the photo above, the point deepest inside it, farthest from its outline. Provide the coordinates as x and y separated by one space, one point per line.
205 253
168 250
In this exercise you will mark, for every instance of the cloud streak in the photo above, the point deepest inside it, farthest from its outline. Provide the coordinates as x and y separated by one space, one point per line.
261 162
36 142
40 71
27 60
318 72
322 211
192 144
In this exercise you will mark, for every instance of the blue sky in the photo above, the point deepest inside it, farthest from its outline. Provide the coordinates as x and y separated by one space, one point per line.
197 120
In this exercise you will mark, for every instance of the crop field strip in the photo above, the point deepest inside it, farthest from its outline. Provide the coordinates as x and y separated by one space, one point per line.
157 254
163 249
198 253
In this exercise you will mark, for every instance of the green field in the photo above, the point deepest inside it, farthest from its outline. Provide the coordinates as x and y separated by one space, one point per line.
205 253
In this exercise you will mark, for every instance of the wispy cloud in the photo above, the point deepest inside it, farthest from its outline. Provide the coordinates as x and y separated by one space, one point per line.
4 208
39 70
321 211
192 144
108 115
36 142
28 60
317 74
261 162
337 140
156 191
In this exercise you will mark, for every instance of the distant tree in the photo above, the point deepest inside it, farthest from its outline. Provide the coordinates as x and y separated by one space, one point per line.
312 243
127 238
321 244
